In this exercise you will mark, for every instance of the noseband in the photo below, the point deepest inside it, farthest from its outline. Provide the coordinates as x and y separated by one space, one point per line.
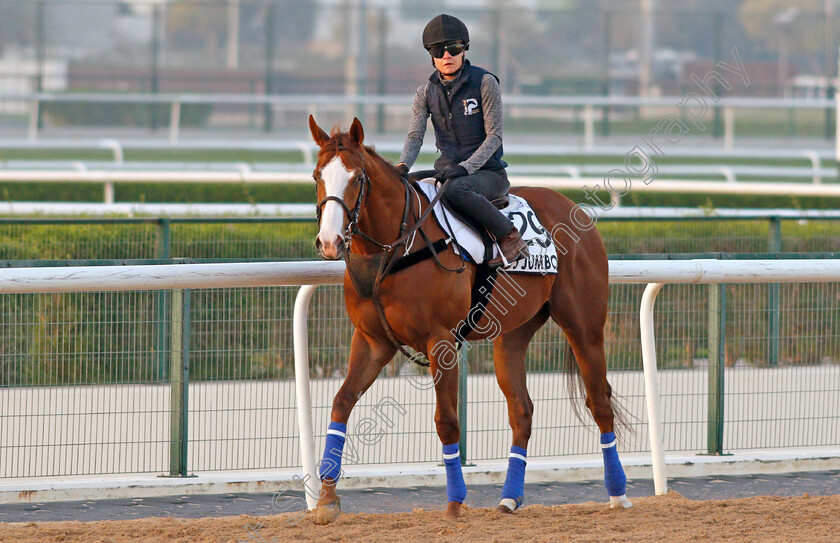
351 214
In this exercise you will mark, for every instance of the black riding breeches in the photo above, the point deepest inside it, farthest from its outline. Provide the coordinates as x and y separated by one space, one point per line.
470 196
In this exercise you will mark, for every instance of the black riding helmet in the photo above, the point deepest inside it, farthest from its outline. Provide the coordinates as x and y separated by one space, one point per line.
445 29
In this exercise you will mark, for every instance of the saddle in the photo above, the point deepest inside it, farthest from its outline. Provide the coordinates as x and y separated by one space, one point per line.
499 203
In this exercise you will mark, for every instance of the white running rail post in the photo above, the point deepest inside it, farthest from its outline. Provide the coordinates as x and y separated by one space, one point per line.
654 406
34 108
304 401
588 126
117 149
174 121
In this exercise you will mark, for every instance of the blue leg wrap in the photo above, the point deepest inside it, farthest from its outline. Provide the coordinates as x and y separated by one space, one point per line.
331 464
514 488
614 478
456 489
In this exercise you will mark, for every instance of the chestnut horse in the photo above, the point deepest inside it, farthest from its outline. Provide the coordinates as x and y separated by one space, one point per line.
364 211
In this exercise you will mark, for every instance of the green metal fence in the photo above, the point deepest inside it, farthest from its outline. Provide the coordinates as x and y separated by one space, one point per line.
268 238
292 238
199 381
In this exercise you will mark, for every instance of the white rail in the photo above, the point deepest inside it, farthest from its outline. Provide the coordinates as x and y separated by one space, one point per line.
655 273
729 172
556 176
308 148
685 186
306 102
168 276
398 99
109 177
308 211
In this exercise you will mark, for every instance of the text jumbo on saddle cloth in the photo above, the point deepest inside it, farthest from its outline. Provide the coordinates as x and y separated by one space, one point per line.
367 213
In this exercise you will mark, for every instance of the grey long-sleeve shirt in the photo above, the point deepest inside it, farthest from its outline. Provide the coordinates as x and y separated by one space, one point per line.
491 102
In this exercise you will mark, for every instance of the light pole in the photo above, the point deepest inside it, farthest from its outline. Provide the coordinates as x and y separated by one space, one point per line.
647 46
783 21
232 60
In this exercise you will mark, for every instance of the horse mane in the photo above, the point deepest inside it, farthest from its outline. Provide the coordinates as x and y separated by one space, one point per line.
341 140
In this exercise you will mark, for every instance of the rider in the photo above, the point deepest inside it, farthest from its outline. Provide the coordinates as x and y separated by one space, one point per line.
465 103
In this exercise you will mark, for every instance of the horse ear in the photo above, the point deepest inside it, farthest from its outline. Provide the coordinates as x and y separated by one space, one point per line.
318 134
357 132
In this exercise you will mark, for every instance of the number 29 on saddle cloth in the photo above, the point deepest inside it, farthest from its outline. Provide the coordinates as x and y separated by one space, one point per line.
543 259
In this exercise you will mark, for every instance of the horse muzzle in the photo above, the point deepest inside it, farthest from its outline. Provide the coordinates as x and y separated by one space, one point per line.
330 250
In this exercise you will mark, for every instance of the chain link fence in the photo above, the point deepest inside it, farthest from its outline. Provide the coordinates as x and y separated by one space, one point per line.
89 381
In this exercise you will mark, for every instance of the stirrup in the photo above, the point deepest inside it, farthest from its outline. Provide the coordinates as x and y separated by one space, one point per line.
505 262
520 256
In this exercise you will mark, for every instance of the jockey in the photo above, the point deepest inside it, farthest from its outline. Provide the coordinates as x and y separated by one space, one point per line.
465 104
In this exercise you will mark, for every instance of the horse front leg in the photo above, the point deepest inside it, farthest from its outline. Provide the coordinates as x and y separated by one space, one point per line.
367 358
443 357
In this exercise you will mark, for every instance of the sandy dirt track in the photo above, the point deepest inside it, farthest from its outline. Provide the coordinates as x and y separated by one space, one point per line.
659 518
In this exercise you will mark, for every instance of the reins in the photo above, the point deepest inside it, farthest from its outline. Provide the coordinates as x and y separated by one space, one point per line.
390 261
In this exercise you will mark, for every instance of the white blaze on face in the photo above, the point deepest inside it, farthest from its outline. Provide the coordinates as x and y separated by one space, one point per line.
335 177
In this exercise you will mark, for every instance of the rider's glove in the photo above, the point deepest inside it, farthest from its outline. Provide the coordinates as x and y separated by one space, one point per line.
451 172
402 169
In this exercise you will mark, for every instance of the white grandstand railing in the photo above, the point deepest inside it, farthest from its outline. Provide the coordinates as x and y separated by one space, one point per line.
310 274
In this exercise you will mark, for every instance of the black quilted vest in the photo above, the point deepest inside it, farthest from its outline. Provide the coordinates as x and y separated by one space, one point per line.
458 118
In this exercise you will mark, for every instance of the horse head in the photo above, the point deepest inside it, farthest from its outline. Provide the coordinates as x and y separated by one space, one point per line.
341 183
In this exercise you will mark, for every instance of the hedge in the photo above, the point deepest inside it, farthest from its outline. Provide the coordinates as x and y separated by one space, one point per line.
84 338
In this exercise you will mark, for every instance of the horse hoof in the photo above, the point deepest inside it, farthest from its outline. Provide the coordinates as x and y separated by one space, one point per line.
620 502
327 513
453 510
508 506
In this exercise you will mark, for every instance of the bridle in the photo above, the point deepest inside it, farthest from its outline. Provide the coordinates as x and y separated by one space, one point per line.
351 214
354 214
406 237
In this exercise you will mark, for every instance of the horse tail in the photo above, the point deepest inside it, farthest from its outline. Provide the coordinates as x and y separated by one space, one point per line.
577 395
574 384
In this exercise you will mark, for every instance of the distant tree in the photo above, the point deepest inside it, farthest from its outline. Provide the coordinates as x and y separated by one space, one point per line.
18 24
197 25
800 22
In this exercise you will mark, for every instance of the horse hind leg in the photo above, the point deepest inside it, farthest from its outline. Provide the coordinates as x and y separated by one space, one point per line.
509 359
585 334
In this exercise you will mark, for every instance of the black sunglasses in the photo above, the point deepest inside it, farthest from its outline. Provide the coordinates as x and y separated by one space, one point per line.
455 49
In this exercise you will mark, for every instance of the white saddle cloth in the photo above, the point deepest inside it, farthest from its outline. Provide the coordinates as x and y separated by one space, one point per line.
543 257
